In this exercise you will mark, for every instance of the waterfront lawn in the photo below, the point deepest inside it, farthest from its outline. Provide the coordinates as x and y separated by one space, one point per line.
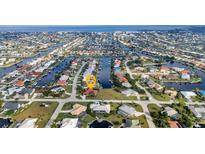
198 98
85 120
36 111
110 94
159 96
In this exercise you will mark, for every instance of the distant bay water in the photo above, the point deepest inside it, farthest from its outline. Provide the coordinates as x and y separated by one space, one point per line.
91 28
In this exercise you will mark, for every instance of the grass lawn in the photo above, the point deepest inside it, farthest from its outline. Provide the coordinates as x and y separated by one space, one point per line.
69 88
159 96
113 117
109 94
62 116
143 121
85 120
67 106
137 107
153 108
36 111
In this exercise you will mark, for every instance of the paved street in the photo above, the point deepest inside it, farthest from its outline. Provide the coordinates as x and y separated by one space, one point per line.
73 98
75 80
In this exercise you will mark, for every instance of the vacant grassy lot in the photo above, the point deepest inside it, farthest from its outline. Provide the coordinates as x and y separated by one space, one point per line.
36 111
109 94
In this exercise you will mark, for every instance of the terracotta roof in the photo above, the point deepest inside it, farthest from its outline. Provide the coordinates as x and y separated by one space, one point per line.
61 82
174 124
20 83
184 72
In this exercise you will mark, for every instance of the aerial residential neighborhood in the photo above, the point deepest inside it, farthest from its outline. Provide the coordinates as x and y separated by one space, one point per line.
108 79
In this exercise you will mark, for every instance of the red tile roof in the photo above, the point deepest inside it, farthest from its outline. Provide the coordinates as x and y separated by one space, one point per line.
20 83
61 82
174 124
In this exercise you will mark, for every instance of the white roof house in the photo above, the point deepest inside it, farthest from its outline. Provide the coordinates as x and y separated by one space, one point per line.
188 95
100 107
28 123
126 110
64 77
57 89
201 111
69 123
126 84
171 112
185 76
194 111
130 92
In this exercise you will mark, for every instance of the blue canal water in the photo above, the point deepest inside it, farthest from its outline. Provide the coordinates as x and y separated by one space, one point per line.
182 86
5 123
4 71
57 70
104 72
187 86
89 28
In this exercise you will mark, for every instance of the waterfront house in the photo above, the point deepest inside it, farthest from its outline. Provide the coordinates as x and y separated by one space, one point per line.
172 76
185 76
172 93
20 83
127 84
154 85
61 83
188 95
57 89
199 112
194 111
164 69
121 78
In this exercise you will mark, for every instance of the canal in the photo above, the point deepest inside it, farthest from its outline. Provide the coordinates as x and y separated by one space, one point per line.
6 70
5 123
104 72
51 77
182 86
